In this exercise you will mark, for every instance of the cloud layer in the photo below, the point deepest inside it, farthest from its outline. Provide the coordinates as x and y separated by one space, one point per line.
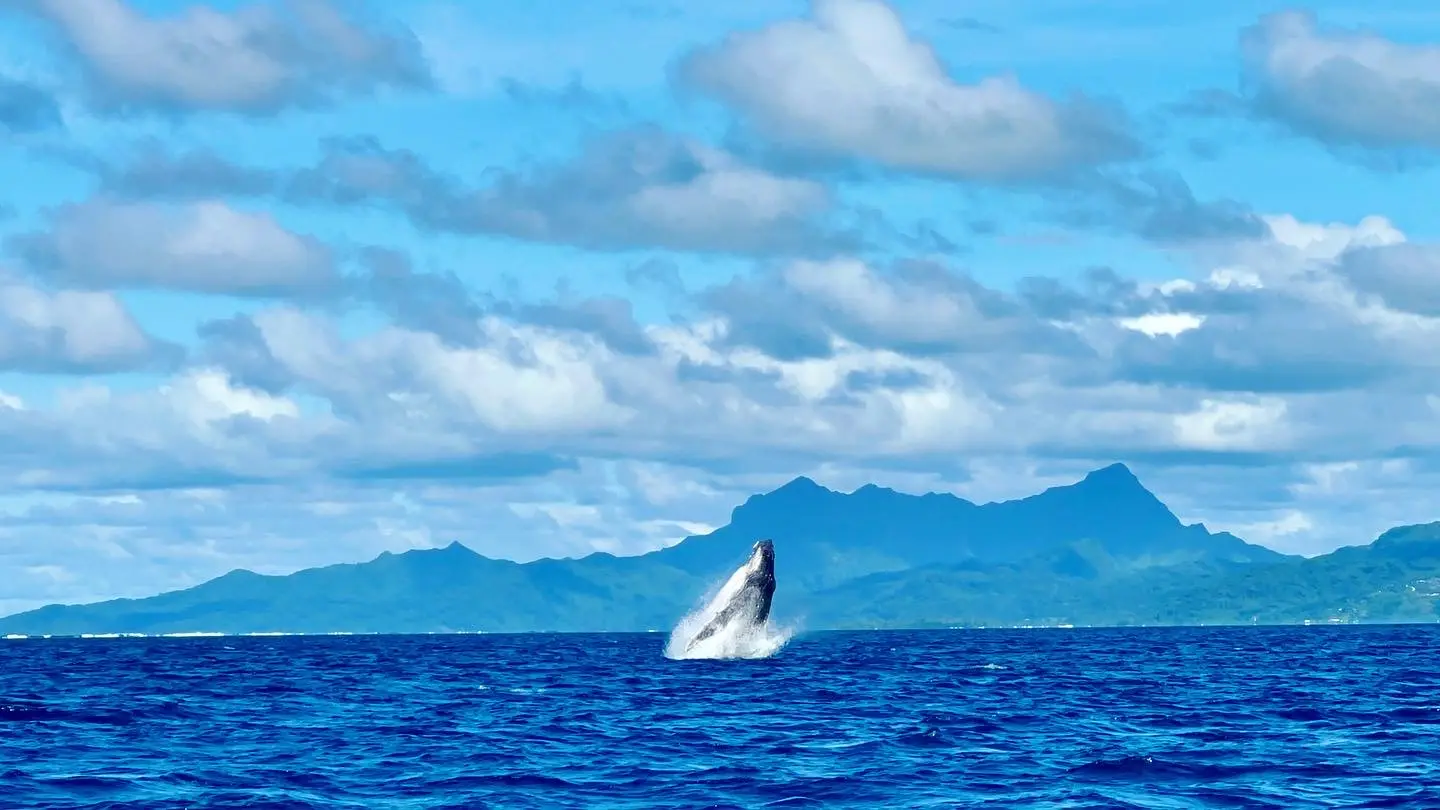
300 305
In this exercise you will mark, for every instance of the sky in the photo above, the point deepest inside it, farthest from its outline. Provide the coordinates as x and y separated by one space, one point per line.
286 283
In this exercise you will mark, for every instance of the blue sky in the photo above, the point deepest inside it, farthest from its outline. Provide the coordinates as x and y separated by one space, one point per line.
291 282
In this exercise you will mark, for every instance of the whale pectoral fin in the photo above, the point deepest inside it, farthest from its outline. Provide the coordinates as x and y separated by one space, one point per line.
706 632
713 626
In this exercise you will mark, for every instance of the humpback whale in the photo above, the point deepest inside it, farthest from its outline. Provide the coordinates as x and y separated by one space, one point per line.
745 598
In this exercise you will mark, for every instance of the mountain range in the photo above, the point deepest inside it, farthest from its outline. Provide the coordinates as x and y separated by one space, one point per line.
1101 551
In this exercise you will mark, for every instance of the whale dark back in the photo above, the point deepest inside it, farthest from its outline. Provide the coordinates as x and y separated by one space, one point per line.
763 580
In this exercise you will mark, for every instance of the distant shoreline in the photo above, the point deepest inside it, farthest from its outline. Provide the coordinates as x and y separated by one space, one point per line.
338 634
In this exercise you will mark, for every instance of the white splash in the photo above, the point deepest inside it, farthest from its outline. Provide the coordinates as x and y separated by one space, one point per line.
737 639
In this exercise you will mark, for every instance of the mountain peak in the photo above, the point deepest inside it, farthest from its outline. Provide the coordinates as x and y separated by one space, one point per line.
800 484
455 548
1114 483
1109 502
794 498
452 552
1112 475
800 489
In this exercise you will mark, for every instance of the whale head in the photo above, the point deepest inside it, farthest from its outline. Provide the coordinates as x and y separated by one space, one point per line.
762 559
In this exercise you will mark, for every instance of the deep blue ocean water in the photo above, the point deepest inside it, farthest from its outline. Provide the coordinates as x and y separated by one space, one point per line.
1152 718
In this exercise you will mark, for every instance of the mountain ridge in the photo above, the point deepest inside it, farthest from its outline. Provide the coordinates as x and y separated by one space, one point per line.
1100 550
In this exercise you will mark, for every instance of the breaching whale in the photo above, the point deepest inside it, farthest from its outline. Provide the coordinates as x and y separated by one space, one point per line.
745 598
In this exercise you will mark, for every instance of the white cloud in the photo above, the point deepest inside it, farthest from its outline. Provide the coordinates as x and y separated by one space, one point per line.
851 81
206 247
1328 240
1278 533
1163 323
1344 87
1233 425
256 59
72 331
206 395
554 388
725 196
910 313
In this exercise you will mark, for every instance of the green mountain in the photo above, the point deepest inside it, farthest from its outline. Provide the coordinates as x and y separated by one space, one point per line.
1394 579
1101 551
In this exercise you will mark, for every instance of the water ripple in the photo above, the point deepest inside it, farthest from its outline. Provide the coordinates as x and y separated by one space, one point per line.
1244 717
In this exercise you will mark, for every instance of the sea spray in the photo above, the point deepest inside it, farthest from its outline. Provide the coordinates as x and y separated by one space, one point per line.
738 639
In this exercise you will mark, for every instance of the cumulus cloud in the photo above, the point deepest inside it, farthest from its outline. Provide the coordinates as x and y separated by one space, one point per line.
252 60
851 81
1281 314
526 387
1343 87
914 308
206 247
849 86
1404 276
73 332
1268 342
196 428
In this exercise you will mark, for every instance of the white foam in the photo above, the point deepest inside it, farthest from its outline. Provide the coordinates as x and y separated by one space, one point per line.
736 640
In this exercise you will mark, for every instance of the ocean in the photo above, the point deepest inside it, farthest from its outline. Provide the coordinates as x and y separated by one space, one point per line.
1302 717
